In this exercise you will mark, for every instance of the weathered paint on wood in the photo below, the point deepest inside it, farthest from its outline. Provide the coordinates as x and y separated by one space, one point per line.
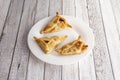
101 55
8 41
53 72
112 36
4 8
86 66
36 67
69 72
18 63
19 66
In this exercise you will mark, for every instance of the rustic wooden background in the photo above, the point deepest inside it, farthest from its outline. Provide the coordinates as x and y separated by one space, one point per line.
18 16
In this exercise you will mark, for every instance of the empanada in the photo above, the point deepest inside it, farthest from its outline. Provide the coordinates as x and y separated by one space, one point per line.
58 23
74 47
48 44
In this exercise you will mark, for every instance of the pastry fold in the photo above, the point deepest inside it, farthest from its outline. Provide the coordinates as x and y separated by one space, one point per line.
74 47
58 23
48 44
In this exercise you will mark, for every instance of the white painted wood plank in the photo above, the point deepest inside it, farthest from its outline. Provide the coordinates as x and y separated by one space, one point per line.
81 10
4 6
55 6
53 72
69 7
116 11
36 68
41 10
69 72
86 66
112 36
9 37
101 55
87 69
21 54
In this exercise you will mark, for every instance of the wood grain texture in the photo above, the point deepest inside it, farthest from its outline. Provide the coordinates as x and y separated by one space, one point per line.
8 40
21 54
116 11
36 68
18 63
55 6
112 36
86 66
69 7
87 69
53 72
101 54
69 72
41 10
4 7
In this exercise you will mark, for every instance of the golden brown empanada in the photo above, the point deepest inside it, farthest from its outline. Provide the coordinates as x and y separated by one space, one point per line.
74 47
48 44
58 23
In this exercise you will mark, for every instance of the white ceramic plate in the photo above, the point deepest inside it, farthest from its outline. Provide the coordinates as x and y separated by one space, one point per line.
79 28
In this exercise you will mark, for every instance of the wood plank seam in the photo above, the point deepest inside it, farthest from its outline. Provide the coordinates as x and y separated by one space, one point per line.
108 51
61 72
45 62
70 72
94 65
44 71
75 7
78 72
29 50
78 62
49 8
35 10
106 41
62 7
92 50
5 21
15 40
27 65
38 69
112 32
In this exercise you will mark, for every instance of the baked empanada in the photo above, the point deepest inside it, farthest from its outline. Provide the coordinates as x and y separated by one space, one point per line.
58 23
74 47
48 44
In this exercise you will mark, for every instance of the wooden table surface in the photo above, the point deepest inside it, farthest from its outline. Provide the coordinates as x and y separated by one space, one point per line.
18 16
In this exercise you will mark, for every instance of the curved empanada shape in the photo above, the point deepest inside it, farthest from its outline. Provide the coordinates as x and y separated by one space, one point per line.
48 44
58 23
74 47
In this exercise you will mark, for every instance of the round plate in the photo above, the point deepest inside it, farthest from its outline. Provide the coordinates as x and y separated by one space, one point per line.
78 28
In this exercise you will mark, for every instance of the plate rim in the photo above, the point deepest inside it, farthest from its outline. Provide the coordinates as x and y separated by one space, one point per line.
62 63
